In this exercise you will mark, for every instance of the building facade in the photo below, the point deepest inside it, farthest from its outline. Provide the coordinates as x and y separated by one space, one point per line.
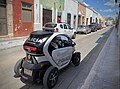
94 16
100 18
47 12
81 13
89 14
23 17
70 14
6 20
20 17
16 19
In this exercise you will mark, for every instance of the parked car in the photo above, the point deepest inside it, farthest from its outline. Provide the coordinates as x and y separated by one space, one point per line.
103 25
83 29
60 27
46 54
99 26
93 27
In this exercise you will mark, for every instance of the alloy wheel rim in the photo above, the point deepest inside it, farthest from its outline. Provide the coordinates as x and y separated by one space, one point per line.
53 78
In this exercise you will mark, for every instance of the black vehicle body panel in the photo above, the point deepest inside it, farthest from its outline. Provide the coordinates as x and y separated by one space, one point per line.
37 70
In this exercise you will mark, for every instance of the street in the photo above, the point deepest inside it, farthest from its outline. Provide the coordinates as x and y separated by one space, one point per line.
71 77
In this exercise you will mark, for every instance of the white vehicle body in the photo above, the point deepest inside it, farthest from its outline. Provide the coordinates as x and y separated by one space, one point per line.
60 27
60 57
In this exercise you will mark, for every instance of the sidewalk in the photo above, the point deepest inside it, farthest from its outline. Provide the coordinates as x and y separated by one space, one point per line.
105 73
12 42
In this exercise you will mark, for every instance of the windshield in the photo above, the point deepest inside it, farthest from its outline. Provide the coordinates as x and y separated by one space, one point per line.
51 25
81 26
91 25
38 41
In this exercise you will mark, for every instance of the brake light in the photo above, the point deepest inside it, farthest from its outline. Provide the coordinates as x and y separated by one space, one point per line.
56 29
29 48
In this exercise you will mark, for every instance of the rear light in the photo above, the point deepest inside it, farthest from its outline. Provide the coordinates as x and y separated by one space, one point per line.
30 48
56 29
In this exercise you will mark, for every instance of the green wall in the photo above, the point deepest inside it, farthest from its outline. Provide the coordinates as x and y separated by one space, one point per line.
48 4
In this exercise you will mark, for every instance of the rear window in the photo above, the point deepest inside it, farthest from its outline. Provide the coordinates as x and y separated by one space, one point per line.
80 26
90 25
38 39
38 42
51 25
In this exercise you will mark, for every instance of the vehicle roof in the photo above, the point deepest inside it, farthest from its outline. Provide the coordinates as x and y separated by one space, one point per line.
56 23
51 23
40 32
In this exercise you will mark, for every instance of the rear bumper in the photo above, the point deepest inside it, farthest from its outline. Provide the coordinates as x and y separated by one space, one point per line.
35 71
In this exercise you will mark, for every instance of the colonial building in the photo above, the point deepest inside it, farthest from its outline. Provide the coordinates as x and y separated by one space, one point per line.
81 13
70 14
23 17
47 11
100 18
89 14
94 15
20 17
16 19
6 22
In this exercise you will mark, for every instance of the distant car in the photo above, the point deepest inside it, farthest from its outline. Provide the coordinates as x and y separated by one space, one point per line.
83 29
93 27
103 25
60 27
99 26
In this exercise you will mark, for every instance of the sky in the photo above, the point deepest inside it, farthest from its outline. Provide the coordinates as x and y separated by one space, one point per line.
107 8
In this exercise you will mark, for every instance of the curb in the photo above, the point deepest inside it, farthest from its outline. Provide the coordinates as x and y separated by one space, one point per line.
12 43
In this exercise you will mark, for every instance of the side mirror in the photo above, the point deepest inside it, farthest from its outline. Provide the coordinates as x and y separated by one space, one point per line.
73 44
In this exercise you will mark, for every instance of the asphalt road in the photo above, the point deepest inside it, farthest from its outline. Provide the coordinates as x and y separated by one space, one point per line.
71 77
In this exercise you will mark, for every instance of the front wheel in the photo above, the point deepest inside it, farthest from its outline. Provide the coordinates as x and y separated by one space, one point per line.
17 68
76 58
50 77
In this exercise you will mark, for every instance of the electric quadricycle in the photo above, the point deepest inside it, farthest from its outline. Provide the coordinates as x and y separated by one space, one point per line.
46 54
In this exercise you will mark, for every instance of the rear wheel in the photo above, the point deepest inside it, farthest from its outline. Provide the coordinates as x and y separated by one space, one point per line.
50 77
76 58
18 68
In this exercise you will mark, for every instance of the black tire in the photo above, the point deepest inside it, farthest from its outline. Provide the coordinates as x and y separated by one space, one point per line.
50 77
18 68
74 36
86 32
76 58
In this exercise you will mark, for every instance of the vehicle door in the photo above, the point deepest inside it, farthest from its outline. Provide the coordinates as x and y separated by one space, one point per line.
61 28
70 30
66 30
88 29
63 54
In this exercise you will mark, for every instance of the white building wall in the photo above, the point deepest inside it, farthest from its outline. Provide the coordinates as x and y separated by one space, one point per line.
70 6
89 14
99 16
37 22
41 16
52 14
94 16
